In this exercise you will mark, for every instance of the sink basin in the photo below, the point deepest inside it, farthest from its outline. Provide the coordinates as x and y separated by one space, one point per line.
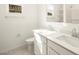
69 40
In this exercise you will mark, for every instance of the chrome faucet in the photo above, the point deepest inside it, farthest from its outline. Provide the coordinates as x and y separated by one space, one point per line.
74 32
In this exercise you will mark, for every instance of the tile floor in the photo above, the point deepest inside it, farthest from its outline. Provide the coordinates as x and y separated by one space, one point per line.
23 50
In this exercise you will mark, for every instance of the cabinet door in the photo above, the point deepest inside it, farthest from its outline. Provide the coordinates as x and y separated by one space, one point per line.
59 48
51 52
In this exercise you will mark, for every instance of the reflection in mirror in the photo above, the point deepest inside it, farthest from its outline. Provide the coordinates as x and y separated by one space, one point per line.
55 13
72 13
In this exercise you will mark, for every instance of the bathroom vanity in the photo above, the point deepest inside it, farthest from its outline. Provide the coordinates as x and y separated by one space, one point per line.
54 43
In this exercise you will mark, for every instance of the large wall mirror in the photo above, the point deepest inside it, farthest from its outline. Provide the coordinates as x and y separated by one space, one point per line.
72 13
68 13
55 13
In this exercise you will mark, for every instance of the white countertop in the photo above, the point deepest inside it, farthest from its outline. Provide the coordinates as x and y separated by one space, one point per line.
53 34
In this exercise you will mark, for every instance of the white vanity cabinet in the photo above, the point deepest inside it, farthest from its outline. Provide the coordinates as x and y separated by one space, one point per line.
58 49
43 45
51 51
39 44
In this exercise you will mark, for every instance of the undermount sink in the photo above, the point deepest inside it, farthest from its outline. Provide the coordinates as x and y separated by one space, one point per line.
69 40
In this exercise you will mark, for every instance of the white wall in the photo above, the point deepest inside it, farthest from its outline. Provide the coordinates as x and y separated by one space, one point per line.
15 28
42 16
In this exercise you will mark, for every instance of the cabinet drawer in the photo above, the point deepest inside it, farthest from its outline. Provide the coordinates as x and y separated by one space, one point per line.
51 52
59 49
